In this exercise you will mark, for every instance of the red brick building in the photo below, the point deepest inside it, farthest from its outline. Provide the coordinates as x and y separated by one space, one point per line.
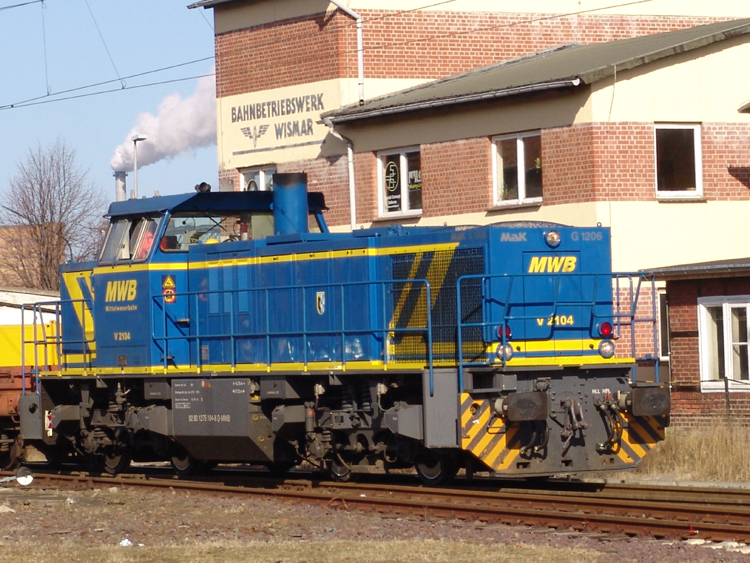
708 335
463 113
272 52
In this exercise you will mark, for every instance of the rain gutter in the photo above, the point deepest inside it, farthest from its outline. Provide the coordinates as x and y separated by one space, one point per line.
360 47
350 168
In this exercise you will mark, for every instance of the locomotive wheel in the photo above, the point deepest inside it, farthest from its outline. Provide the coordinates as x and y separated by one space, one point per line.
338 470
12 458
183 464
436 470
117 460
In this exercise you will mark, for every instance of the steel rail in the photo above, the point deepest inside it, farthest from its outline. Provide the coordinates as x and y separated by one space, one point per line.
571 511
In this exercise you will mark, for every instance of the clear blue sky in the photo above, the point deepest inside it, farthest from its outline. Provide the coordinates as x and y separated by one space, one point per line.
140 36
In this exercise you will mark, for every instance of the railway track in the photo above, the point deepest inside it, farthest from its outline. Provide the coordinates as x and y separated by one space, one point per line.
713 514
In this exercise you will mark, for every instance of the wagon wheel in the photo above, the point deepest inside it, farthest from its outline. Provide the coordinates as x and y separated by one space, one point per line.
339 470
435 470
183 463
117 460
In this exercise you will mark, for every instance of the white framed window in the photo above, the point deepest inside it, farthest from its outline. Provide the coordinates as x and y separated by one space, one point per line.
679 170
517 162
258 179
400 183
723 335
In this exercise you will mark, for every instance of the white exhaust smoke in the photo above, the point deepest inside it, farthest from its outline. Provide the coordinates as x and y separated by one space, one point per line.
178 126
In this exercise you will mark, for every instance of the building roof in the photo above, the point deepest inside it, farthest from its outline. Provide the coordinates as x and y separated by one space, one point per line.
205 201
563 67
208 3
714 269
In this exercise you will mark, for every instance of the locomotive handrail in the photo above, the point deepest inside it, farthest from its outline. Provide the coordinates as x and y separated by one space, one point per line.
37 310
55 340
594 305
159 306
633 299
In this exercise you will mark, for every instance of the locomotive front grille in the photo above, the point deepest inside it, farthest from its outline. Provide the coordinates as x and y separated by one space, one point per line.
442 270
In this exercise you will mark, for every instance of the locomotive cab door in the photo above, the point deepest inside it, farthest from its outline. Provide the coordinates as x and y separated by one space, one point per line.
122 286
170 300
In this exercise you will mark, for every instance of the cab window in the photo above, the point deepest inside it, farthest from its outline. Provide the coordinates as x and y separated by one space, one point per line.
129 239
187 229
145 231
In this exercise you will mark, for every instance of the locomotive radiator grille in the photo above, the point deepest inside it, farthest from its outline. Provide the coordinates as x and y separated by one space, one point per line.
442 270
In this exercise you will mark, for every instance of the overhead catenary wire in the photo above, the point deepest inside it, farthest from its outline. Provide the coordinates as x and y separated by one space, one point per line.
208 23
56 97
50 97
531 20
40 101
511 24
53 98
314 56
44 44
104 43
22 4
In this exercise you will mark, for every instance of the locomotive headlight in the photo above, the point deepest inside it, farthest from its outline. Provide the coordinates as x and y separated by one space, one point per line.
607 348
552 238
505 352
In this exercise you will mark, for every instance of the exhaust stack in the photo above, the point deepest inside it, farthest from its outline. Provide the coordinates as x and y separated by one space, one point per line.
290 203
121 192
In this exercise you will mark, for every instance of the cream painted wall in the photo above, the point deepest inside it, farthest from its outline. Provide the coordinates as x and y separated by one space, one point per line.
555 108
256 128
705 86
250 142
582 215
651 234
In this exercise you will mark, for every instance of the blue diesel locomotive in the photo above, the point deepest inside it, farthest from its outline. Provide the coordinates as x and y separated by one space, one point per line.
235 328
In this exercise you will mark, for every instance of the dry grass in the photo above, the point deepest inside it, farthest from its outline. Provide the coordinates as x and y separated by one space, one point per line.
298 552
721 453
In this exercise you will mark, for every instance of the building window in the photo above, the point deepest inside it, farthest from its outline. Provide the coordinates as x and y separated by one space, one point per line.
678 161
258 179
400 182
663 325
723 332
517 163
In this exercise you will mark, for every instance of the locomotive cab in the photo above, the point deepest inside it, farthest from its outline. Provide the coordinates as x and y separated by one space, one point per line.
144 266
